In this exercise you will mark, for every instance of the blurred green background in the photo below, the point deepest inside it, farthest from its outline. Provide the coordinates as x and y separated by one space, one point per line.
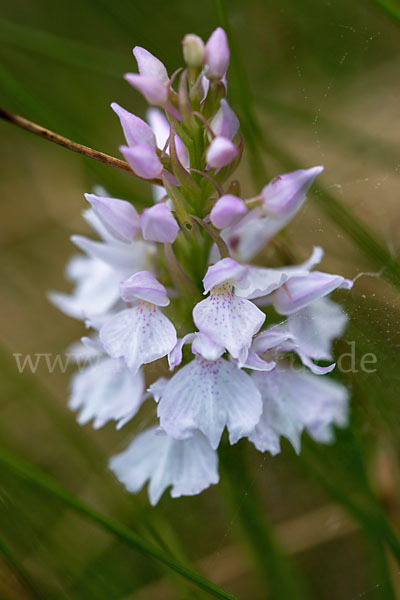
314 82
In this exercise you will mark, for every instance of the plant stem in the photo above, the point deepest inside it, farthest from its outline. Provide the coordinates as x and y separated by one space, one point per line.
51 136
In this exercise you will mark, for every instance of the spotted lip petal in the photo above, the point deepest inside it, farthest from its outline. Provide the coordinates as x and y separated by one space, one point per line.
228 321
207 396
189 466
140 335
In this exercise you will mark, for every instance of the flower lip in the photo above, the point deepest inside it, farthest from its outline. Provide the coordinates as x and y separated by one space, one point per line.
144 286
224 270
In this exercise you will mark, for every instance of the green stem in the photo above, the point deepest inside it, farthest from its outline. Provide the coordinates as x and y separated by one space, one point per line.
281 577
127 536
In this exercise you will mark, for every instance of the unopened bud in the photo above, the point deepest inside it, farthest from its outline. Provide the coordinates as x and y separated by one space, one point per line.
193 50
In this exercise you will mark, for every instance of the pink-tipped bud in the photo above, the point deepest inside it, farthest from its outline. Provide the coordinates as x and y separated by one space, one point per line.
216 55
158 224
154 90
136 130
193 50
144 286
285 194
220 152
143 160
227 211
225 122
119 217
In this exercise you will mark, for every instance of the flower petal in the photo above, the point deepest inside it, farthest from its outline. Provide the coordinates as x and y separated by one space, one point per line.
228 321
263 281
140 335
150 65
143 160
154 90
294 401
224 270
227 211
106 390
189 466
225 122
209 395
316 326
299 292
216 55
158 224
118 216
136 131
144 285
220 152
285 194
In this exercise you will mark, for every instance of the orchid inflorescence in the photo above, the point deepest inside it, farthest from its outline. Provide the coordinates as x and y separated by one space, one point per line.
141 286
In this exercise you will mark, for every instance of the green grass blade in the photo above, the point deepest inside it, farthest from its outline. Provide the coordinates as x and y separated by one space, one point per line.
124 534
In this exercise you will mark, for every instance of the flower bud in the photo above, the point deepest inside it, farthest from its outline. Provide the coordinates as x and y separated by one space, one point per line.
220 152
216 55
285 194
225 122
158 224
227 211
143 160
118 216
149 65
193 50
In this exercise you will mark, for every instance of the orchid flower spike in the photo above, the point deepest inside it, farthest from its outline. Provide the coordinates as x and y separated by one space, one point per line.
155 258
